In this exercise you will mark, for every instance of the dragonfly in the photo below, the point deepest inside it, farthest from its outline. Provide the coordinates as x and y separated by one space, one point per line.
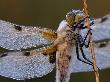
35 51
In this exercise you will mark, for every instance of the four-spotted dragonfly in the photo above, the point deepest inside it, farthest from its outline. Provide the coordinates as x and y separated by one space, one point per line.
34 51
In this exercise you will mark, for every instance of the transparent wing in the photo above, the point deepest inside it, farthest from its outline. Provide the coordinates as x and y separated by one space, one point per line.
100 32
101 28
24 65
16 37
102 58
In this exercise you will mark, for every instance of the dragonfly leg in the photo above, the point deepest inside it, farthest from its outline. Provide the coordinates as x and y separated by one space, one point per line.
83 55
85 38
77 53
81 23
81 49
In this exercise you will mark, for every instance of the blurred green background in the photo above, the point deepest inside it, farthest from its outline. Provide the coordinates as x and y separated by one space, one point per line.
49 13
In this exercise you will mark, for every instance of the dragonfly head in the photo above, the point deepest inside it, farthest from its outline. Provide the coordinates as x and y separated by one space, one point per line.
76 19
74 16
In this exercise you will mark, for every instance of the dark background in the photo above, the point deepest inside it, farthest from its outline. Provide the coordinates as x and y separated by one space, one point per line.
49 13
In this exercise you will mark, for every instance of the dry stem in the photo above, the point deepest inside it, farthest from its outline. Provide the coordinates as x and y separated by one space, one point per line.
91 42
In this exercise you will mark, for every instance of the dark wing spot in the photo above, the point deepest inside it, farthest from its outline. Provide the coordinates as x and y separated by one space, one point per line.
17 27
27 53
3 55
52 57
102 45
103 19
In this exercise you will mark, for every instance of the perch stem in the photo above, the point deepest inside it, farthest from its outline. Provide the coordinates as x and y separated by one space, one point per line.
91 42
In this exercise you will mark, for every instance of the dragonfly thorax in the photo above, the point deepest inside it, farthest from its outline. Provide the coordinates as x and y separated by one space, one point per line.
64 32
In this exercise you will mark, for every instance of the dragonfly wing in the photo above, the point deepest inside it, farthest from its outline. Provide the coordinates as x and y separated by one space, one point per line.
100 32
101 28
24 65
16 37
102 59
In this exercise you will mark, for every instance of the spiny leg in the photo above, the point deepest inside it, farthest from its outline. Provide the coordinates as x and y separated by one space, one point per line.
77 53
81 49
86 45
83 55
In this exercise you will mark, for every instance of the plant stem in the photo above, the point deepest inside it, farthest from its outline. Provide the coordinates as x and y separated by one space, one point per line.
91 42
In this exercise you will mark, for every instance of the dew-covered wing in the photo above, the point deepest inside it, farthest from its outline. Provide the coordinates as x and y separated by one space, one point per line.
101 28
24 65
15 37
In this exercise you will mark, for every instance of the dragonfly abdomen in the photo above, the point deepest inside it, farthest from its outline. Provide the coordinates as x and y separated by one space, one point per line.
63 55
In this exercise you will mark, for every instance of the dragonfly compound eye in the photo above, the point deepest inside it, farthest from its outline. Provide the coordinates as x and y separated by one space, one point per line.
74 16
70 18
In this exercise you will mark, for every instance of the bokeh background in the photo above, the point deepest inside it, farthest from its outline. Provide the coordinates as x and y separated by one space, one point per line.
49 13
